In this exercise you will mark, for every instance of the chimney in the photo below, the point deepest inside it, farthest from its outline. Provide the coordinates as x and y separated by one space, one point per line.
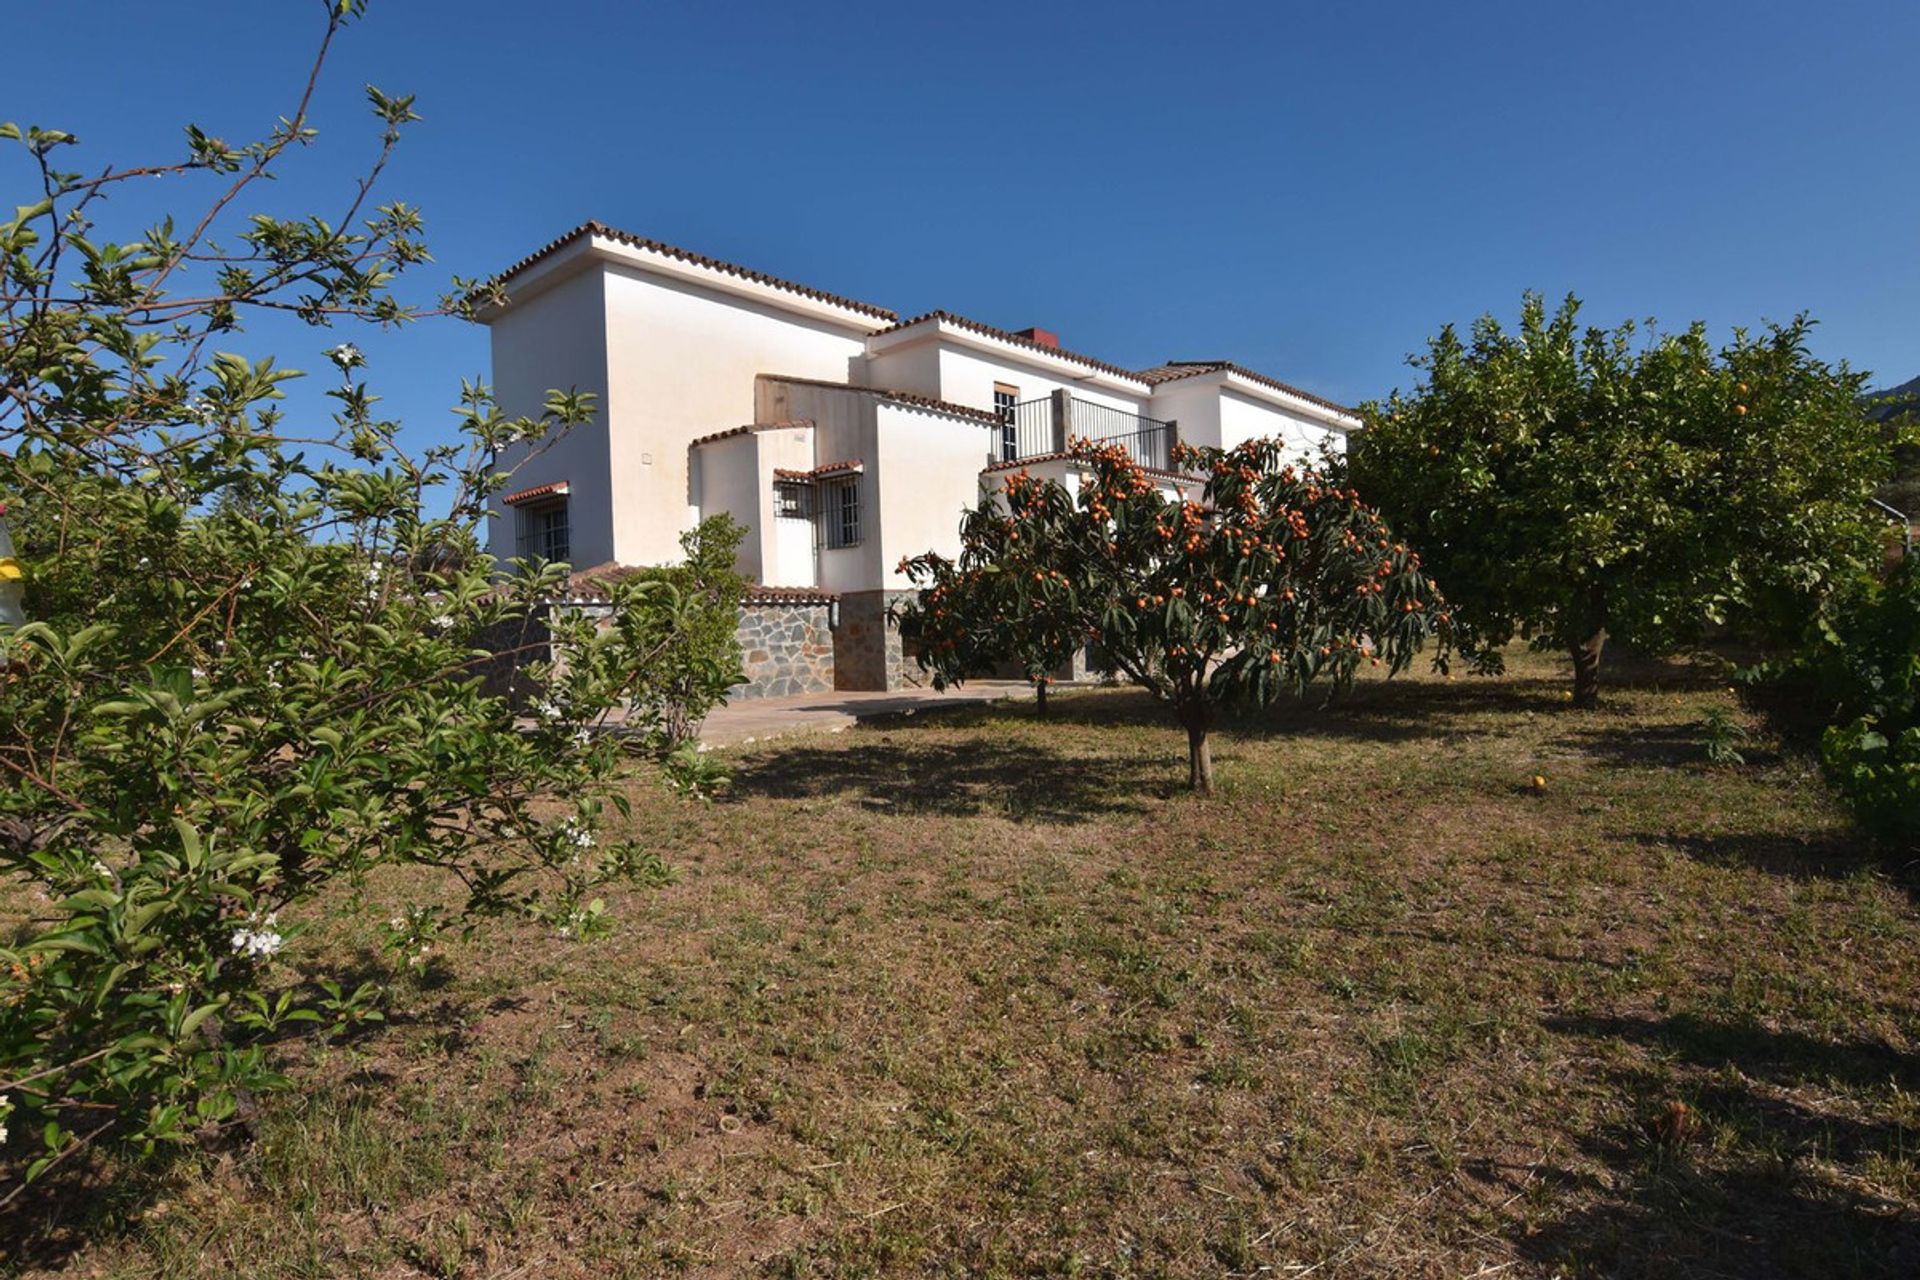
1040 337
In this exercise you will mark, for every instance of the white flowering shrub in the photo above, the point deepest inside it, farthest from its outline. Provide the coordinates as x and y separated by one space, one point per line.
251 663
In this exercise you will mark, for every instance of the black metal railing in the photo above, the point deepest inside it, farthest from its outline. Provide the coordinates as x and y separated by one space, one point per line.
1033 428
1026 430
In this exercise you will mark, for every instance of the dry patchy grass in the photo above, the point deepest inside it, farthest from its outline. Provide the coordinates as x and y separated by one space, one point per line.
983 995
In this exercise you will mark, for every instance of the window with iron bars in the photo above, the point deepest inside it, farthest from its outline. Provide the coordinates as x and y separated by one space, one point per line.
544 532
792 500
840 510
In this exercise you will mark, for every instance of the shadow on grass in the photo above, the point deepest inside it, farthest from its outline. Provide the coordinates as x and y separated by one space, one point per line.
905 763
1771 1180
901 775
1830 855
1665 746
1401 710
908 764
80 1204
1783 1057
103 1194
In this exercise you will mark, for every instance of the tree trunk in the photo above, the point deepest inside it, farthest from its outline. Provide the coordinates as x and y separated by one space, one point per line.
1199 752
1586 668
1040 698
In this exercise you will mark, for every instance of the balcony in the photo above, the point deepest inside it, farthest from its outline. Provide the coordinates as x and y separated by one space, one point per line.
1033 428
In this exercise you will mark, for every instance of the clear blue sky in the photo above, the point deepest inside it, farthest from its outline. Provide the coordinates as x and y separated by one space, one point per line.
1309 189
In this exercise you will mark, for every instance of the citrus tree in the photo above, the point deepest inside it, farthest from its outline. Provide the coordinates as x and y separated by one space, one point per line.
251 665
1273 577
1572 485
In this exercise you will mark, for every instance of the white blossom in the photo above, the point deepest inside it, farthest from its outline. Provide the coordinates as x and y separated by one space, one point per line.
347 356
259 939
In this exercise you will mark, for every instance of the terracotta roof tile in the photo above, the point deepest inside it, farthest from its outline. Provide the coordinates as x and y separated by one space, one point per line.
1007 335
1174 370
593 228
852 466
1017 463
538 491
789 595
589 585
731 432
898 397
1168 372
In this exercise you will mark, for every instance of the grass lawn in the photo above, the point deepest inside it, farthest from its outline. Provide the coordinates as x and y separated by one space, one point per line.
984 995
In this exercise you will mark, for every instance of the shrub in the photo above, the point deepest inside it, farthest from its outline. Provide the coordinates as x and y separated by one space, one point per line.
690 637
1861 677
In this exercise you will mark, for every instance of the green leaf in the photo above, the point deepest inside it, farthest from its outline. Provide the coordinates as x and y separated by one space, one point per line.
190 844
193 1020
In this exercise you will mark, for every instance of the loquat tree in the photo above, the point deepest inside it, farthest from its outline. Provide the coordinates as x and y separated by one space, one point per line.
1273 578
243 645
1019 616
1572 485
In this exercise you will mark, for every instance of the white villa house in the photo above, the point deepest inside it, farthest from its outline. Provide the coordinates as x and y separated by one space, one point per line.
841 436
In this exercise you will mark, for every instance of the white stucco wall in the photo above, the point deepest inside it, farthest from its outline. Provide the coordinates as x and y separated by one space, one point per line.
844 430
735 476
729 472
1194 405
675 351
1243 418
842 418
962 368
786 546
794 561
1071 475
557 340
682 360
967 377
928 473
913 368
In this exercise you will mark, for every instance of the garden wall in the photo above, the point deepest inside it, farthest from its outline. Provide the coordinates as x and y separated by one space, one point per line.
867 653
786 643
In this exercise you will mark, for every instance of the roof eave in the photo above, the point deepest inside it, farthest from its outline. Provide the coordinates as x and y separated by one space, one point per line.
568 256
1325 414
945 328
591 243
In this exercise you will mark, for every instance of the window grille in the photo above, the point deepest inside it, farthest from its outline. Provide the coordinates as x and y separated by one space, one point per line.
792 500
842 513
